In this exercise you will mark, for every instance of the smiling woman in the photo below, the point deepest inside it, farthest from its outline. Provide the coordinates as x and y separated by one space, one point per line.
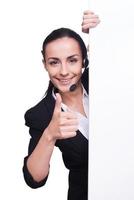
63 59
61 117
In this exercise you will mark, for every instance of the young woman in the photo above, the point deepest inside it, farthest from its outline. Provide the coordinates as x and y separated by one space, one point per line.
61 117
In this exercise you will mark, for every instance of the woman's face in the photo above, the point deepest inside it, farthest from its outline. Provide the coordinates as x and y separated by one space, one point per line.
63 61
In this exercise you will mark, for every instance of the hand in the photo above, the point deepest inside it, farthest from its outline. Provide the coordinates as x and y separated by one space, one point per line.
63 124
90 20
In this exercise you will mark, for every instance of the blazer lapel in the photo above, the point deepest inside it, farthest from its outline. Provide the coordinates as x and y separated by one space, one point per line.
50 104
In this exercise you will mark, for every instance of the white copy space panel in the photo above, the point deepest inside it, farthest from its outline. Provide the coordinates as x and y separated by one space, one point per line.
112 102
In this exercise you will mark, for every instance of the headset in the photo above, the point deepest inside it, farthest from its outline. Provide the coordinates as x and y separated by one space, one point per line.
85 64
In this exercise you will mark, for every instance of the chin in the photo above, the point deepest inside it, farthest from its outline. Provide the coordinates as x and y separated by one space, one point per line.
63 89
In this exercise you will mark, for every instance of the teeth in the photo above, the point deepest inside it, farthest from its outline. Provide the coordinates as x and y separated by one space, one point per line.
64 81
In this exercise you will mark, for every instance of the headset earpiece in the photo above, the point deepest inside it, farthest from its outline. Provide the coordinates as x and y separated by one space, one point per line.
85 63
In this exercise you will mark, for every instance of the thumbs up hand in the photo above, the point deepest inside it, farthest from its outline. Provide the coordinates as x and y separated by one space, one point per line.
63 124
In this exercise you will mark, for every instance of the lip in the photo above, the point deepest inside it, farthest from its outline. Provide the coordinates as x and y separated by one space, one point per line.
65 81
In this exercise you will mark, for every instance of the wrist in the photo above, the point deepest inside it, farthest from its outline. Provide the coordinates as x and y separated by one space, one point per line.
49 138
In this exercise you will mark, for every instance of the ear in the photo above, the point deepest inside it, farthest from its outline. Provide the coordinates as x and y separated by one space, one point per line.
44 64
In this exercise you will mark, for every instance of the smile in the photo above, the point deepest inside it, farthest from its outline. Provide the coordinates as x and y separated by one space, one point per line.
64 81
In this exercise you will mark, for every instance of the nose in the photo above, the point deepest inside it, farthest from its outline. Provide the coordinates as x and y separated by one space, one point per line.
64 70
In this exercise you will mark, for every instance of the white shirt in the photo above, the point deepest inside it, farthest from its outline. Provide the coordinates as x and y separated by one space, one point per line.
83 121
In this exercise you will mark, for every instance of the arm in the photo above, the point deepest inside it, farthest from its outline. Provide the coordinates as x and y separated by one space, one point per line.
31 182
36 165
38 162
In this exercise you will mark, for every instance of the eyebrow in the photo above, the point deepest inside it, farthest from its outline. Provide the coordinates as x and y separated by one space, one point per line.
55 58
73 56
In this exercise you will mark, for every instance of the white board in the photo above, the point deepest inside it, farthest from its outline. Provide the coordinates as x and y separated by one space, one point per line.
112 102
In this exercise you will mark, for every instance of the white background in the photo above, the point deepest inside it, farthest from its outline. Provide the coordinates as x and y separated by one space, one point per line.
112 102
23 81
24 24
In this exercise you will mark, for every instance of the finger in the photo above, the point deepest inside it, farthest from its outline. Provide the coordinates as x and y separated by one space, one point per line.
69 134
88 21
90 16
91 25
66 122
68 115
87 12
85 27
58 103
68 128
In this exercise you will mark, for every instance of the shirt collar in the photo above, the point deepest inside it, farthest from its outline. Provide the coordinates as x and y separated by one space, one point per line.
84 92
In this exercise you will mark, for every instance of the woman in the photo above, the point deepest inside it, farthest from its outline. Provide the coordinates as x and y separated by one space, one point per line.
61 118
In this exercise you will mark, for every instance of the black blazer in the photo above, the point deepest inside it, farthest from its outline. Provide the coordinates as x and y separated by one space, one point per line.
74 150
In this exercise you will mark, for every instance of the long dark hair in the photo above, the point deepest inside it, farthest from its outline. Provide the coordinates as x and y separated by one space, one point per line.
60 33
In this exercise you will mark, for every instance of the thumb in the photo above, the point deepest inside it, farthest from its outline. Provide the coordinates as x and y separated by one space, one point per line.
58 103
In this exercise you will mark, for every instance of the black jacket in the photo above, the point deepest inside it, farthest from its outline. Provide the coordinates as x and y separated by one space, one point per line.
74 150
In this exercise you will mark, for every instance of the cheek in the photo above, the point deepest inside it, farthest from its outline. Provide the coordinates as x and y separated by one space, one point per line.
52 72
78 71
79 68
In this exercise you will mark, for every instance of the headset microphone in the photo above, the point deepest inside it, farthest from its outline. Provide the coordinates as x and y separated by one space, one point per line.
72 87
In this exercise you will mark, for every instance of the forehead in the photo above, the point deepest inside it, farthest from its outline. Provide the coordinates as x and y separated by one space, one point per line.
63 47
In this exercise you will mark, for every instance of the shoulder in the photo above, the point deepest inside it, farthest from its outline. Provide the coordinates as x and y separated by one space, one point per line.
41 113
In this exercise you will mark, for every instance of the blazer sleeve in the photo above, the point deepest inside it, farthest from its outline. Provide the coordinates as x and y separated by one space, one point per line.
35 131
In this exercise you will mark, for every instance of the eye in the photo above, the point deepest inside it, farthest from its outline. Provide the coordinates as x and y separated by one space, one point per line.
73 60
53 62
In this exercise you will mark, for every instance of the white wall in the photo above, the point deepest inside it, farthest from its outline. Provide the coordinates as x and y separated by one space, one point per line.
23 81
112 102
